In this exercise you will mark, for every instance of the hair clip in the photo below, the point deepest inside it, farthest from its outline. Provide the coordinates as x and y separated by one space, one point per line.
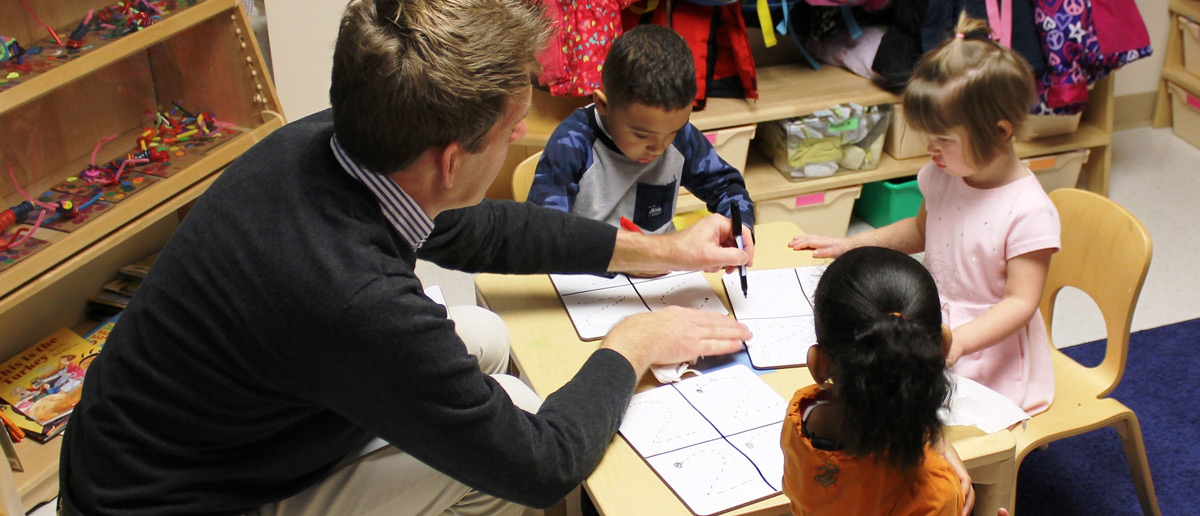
897 314
960 35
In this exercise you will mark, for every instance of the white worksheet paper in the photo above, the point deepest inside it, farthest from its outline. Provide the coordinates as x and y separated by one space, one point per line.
713 439
434 292
596 304
778 310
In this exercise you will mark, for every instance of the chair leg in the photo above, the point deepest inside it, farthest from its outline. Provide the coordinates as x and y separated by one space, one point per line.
1139 468
995 487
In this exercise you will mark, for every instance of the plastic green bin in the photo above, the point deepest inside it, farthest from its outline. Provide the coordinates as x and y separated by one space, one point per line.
884 202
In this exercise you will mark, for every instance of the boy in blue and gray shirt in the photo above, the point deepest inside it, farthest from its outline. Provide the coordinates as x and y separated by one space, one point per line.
626 154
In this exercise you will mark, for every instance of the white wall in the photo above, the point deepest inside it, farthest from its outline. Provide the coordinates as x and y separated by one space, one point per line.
1142 76
302 34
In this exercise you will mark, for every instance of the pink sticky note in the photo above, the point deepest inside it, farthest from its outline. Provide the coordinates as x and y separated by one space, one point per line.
810 199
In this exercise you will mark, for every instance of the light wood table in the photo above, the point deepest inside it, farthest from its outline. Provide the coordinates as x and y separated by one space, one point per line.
548 353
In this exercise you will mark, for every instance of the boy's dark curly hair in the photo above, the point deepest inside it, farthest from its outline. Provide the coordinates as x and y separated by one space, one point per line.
650 65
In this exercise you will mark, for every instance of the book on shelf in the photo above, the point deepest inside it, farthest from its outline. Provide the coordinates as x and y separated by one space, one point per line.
109 299
98 335
44 382
138 270
116 294
123 286
33 430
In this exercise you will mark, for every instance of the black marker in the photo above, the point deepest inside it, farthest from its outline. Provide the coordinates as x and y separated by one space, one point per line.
736 211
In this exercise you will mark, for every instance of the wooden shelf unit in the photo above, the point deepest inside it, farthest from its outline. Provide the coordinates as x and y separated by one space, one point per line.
1172 67
790 90
202 56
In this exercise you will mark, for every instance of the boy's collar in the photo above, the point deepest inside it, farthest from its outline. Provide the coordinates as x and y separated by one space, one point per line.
600 121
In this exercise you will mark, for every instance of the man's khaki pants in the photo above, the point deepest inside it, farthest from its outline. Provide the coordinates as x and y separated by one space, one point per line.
383 480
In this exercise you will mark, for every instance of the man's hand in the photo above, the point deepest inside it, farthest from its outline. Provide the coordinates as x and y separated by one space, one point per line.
748 244
673 335
707 245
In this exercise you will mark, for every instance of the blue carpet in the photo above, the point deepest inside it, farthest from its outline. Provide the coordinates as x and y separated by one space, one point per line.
1088 475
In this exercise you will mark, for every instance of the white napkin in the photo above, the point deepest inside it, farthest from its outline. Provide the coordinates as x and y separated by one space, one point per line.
672 373
975 405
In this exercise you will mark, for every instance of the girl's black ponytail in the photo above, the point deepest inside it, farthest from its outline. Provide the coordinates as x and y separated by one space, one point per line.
878 319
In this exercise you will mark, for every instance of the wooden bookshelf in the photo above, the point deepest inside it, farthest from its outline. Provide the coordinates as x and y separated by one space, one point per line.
1172 67
202 55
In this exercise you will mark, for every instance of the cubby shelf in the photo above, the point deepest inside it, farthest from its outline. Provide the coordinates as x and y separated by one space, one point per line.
202 56
790 90
101 52
1173 67
764 181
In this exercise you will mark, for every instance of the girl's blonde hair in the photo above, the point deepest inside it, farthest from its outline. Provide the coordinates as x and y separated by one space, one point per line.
973 83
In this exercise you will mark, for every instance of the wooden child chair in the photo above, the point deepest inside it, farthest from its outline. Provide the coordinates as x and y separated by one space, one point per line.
522 176
1106 254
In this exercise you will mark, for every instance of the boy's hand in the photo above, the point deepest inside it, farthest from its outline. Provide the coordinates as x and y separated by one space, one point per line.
822 246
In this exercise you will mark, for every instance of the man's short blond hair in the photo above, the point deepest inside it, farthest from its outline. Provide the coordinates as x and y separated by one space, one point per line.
411 75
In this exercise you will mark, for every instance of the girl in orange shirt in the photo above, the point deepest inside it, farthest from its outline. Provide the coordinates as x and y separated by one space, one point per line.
866 438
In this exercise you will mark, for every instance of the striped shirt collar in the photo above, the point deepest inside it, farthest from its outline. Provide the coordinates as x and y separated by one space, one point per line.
413 224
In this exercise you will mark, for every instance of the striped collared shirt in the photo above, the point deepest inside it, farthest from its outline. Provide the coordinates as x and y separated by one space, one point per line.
413 224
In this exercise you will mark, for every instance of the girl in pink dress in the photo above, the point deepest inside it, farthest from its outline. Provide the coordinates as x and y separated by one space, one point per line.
986 226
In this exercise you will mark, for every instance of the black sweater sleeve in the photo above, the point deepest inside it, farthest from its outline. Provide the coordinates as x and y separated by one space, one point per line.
428 397
531 239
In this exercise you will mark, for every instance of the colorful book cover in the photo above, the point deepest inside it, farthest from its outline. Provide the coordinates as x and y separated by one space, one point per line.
44 381
33 430
99 335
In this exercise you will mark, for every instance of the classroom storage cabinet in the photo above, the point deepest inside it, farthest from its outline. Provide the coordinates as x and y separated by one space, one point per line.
1190 34
732 144
794 89
1185 114
885 202
1058 170
202 56
903 141
1180 78
820 213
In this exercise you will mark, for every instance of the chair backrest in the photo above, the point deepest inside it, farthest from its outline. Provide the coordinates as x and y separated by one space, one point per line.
1106 254
522 176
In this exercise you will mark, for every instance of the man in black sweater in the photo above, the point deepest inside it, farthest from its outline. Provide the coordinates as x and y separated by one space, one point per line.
282 328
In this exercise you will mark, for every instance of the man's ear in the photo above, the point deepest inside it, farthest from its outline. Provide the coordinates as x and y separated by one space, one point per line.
947 338
1006 129
601 101
818 364
448 165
